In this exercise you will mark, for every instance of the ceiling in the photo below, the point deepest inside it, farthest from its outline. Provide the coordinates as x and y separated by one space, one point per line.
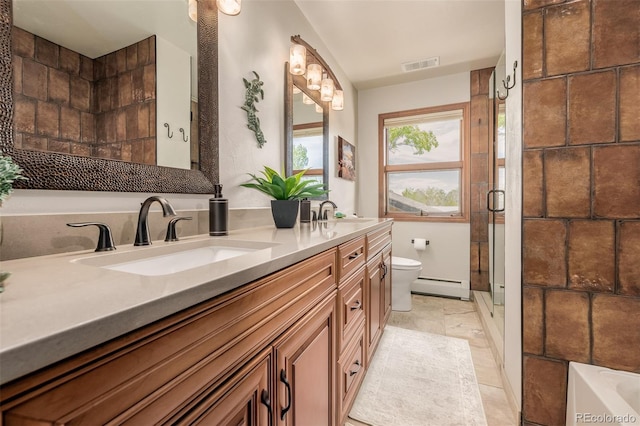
370 39
96 27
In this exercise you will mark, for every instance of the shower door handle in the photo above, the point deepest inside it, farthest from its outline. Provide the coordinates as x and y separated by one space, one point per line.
494 192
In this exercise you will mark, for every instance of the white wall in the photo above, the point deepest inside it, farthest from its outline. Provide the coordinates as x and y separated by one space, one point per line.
173 107
448 253
513 211
256 40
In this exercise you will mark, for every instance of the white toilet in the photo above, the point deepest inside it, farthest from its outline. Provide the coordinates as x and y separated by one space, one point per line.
403 273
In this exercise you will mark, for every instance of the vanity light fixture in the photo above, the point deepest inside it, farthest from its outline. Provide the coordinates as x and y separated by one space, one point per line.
318 77
193 10
326 89
228 7
314 76
297 59
337 103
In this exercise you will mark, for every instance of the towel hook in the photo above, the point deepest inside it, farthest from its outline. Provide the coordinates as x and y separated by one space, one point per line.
169 132
185 138
507 84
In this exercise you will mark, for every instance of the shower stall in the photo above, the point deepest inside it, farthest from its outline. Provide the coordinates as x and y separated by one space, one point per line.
492 302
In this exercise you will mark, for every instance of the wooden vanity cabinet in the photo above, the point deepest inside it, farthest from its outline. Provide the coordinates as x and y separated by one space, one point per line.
289 349
373 294
351 257
351 321
244 399
305 370
377 289
386 283
180 367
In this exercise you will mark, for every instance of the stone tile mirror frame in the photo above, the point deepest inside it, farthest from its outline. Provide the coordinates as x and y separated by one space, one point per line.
48 170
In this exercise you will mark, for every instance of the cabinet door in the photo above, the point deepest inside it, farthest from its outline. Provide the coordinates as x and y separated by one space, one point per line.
305 369
351 369
374 292
243 400
386 283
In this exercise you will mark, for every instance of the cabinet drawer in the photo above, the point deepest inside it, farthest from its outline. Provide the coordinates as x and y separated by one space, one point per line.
351 371
377 239
350 307
244 398
166 366
351 256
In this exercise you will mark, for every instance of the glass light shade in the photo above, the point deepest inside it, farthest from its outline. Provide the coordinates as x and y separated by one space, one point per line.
229 7
337 103
296 90
297 59
193 10
307 100
326 89
318 109
314 76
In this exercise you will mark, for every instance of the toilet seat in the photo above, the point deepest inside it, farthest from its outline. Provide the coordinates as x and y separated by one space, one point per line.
403 264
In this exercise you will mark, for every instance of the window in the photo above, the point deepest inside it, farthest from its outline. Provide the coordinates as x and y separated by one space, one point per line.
307 150
423 170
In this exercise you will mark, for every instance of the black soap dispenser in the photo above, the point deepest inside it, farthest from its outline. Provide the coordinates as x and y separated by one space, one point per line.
218 213
305 211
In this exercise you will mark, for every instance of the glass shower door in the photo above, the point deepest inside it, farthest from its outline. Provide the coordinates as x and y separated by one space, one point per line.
496 198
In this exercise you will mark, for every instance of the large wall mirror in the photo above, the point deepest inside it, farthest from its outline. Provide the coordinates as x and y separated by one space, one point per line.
105 110
307 130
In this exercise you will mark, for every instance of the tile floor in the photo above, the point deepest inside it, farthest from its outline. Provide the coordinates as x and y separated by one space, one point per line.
457 318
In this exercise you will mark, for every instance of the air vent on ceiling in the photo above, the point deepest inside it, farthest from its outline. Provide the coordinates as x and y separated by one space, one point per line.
421 64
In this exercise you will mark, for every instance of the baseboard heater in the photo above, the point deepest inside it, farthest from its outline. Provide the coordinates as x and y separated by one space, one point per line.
440 287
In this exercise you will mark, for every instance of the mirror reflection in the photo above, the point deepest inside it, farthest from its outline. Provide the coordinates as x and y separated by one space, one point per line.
308 137
307 131
109 80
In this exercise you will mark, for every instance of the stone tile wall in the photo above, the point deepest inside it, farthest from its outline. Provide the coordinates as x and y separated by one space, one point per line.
66 102
125 103
581 194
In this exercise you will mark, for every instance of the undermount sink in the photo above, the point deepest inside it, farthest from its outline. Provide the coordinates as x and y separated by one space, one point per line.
173 258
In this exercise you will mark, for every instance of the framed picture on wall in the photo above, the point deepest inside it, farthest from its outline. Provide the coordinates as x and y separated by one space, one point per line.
346 160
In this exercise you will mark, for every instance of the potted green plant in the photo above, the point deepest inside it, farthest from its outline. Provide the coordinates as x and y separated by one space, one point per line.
9 173
286 193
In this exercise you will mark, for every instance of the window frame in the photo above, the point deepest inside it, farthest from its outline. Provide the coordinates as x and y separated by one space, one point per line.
462 165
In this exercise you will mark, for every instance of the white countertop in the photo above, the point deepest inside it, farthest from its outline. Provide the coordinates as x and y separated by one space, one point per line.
54 307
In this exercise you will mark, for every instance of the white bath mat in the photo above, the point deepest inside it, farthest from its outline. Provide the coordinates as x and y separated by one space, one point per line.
419 379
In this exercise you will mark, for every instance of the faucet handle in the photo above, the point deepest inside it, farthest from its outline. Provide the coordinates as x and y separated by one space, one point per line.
105 239
172 235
